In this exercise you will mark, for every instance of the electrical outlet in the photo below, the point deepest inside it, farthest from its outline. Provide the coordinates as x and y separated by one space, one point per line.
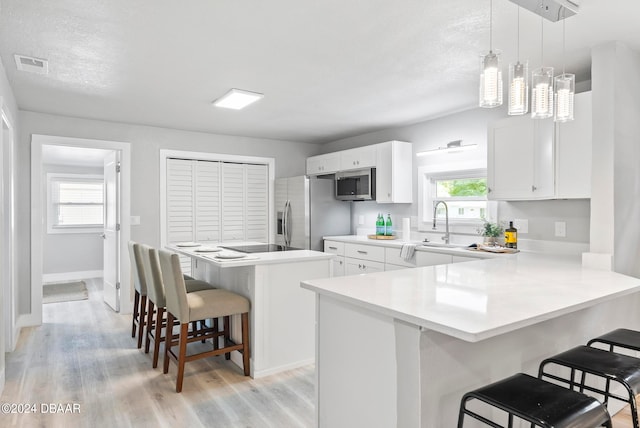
361 220
561 229
521 224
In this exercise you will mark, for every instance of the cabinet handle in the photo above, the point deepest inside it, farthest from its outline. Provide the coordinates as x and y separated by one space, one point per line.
534 188
489 190
364 267
333 248
362 252
340 262
359 266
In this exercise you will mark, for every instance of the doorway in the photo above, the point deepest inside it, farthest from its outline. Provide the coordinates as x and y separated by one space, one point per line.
7 239
86 154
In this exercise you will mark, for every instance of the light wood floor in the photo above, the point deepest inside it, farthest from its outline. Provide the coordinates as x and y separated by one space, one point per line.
84 354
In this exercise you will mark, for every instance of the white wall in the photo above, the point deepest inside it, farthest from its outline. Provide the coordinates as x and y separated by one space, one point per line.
616 141
10 108
471 127
70 252
146 143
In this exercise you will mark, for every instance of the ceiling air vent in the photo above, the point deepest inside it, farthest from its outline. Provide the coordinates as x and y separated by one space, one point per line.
31 64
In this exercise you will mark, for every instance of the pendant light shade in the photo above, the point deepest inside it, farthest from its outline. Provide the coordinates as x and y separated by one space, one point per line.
490 72
542 93
518 88
565 90
490 80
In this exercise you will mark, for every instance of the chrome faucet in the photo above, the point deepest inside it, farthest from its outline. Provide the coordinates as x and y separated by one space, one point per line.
445 238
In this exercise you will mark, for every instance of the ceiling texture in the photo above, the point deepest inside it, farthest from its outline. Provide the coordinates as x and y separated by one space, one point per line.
329 69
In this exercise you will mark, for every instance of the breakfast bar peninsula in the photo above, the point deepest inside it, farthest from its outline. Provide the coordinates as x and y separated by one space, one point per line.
400 348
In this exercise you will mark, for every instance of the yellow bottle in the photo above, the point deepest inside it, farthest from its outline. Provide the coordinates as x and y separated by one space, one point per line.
511 236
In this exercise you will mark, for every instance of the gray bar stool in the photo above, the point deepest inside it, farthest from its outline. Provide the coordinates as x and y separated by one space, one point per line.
184 308
538 402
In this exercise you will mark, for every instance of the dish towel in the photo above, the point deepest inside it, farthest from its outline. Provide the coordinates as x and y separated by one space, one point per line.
407 251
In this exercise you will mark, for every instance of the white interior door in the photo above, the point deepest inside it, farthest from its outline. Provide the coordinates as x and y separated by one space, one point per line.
111 234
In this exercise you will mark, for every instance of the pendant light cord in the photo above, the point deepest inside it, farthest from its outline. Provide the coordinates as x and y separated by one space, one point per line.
490 25
564 39
541 42
518 46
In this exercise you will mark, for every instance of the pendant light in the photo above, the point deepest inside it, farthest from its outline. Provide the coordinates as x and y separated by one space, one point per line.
542 86
518 83
565 88
490 72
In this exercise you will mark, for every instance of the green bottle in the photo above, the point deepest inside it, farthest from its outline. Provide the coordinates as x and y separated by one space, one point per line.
388 226
380 225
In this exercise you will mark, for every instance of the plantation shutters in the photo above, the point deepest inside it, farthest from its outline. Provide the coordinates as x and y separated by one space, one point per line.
210 201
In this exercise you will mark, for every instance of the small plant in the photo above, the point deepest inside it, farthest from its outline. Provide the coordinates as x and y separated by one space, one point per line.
491 230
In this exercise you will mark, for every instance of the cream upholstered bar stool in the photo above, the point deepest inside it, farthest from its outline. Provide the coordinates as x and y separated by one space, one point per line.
147 257
140 297
183 308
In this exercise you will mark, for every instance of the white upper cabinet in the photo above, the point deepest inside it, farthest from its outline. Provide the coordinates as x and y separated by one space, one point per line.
532 159
392 160
323 164
573 151
361 157
394 172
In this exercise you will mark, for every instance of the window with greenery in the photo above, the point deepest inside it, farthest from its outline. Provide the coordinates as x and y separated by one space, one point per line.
466 197
75 203
464 191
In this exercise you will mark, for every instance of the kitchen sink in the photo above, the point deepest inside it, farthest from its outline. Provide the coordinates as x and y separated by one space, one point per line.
442 245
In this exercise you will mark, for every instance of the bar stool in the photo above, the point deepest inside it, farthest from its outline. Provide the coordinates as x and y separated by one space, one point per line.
538 402
610 366
621 337
186 307
140 296
156 319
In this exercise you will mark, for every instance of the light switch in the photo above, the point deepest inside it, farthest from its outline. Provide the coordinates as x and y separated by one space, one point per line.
521 224
561 229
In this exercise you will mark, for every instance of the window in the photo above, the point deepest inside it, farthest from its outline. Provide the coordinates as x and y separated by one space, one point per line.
75 203
464 192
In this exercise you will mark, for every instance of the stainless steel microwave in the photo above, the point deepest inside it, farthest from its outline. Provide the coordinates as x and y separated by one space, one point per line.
358 185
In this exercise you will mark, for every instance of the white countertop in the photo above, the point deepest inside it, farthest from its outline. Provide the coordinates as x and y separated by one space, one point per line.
251 259
480 299
397 243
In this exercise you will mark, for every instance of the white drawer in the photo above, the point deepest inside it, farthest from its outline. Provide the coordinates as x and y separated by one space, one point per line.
334 247
392 256
366 252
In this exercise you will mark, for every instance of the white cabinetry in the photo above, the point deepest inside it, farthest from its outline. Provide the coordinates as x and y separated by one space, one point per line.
361 157
424 258
520 159
393 161
394 182
363 258
323 164
393 261
537 159
338 263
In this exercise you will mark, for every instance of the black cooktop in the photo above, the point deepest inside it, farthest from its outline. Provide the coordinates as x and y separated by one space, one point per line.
259 248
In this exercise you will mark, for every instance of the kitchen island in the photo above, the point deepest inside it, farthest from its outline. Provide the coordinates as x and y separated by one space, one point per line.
400 348
282 316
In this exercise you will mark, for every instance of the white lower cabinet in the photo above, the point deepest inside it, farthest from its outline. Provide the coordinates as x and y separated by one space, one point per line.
338 265
358 266
424 258
459 259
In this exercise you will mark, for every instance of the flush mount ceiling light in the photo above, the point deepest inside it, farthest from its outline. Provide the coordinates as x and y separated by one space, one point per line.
490 72
237 99
452 147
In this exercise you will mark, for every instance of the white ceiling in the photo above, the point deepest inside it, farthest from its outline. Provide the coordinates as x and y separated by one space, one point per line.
329 69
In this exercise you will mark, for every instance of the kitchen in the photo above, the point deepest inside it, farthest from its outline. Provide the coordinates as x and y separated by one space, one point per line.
599 225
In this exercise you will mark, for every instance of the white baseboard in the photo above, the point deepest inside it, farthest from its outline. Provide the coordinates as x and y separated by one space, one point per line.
29 320
71 276
2 378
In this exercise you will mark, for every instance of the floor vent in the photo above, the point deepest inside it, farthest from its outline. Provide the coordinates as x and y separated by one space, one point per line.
31 64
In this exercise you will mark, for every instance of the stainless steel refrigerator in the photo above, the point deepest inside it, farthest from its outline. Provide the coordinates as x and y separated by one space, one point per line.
306 210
